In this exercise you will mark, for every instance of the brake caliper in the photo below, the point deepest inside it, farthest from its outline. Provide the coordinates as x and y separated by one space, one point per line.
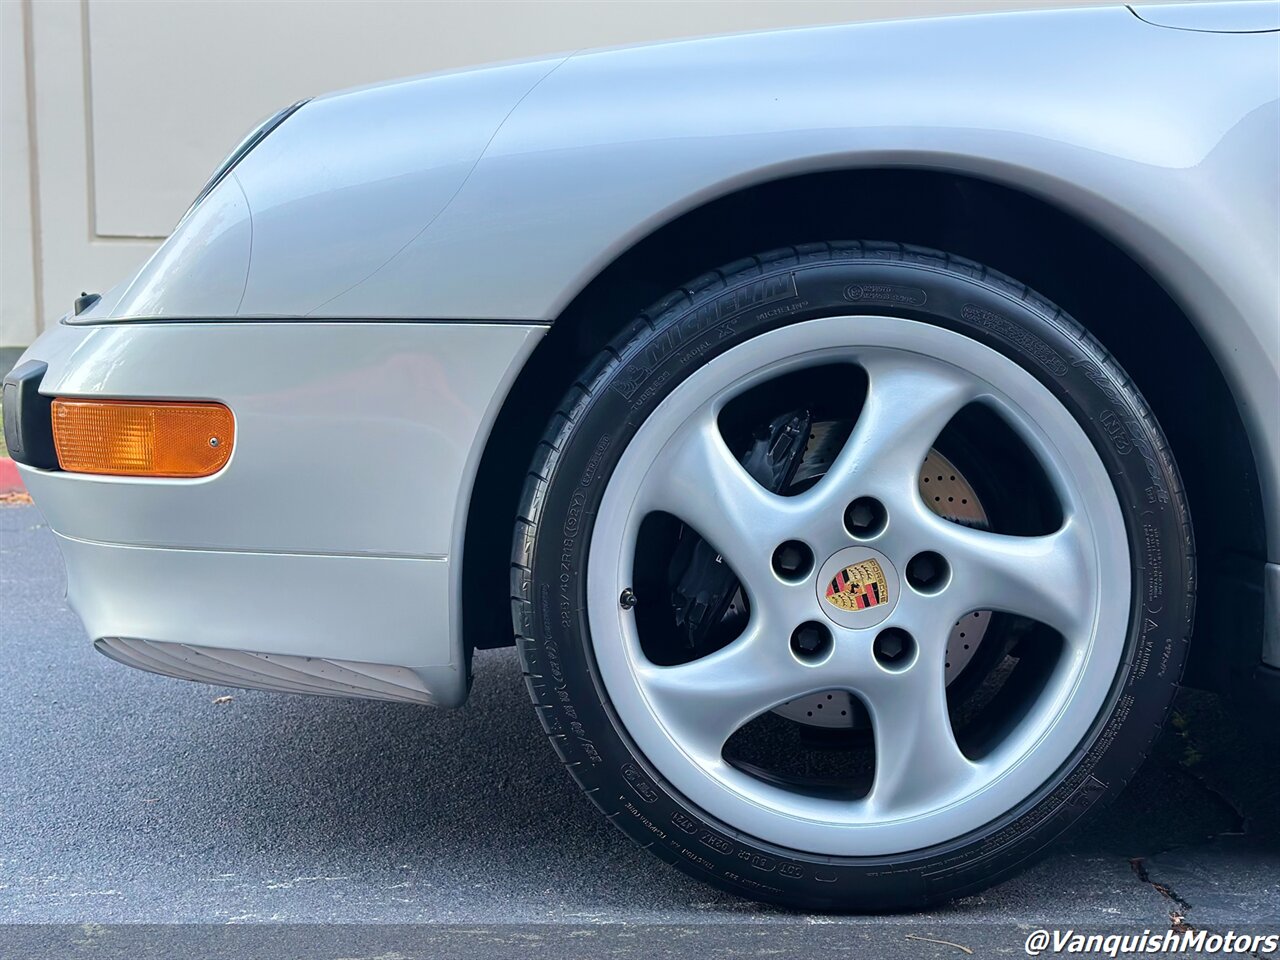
702 585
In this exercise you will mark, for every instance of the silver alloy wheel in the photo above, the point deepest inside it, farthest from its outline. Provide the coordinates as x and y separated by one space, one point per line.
1076 580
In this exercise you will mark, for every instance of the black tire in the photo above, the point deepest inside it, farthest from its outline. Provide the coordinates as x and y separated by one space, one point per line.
712 314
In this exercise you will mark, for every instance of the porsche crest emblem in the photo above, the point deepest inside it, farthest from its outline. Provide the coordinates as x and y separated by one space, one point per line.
858 586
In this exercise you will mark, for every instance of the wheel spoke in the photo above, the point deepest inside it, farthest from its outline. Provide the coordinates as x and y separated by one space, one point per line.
1048 578
705 701
917 760
697 479
910 399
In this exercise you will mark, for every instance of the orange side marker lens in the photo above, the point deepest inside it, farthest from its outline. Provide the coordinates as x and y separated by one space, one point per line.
131 438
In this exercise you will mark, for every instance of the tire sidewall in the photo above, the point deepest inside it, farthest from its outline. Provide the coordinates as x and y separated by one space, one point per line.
691 328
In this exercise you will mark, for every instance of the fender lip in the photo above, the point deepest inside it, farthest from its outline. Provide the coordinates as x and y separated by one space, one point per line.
1271 622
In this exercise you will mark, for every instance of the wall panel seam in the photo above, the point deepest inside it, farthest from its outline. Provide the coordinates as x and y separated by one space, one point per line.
33 162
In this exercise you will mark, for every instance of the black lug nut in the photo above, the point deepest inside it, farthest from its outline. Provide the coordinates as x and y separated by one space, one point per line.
894 648
865 517
928 572
810 641
792 560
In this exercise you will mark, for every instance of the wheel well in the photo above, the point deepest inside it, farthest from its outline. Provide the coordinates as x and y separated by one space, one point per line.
1063 258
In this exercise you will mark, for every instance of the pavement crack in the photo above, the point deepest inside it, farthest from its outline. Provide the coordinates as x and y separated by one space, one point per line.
1178 921
1139 866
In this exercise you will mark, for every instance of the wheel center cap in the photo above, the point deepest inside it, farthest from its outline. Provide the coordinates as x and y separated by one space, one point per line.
858 587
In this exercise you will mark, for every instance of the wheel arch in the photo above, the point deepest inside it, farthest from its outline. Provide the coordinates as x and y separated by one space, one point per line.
1009 228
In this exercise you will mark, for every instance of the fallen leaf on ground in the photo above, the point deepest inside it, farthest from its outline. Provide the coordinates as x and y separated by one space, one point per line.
945 943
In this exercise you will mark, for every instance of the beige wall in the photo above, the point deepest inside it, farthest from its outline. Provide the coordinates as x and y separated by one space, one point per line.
115 111
17 268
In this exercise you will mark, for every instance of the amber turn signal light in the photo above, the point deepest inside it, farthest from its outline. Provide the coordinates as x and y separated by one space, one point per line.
132 438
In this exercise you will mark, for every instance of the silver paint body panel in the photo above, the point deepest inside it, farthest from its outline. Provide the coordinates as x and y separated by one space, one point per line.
288 549
374 610
499 194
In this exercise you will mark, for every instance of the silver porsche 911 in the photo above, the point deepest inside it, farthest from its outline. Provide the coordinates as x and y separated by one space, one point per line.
841 423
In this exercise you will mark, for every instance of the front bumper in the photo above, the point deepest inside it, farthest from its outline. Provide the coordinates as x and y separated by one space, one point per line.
330 534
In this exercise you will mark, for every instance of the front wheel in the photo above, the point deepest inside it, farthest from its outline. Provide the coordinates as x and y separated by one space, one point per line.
851 575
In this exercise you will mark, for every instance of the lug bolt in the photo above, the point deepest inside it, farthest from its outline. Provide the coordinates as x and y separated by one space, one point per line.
792 560
865 518
894 648
811 641
928 572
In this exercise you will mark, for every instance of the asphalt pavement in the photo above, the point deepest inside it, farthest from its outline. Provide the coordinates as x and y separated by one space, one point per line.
127 798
